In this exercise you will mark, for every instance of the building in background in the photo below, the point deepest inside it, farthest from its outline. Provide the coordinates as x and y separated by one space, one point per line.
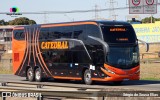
6 38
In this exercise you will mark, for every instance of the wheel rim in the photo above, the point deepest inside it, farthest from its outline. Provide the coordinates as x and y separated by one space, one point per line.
88 77
38 75
30 74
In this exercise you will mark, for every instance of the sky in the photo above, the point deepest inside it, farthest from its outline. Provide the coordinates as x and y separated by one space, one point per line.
67 5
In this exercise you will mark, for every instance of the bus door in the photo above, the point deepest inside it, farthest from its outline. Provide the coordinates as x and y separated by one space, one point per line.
80 56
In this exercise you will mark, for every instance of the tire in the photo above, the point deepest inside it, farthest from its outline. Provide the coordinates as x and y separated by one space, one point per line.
38 75
26 78
30 74
87 77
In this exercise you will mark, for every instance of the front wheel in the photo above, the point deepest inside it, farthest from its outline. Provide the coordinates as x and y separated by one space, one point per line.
87 77
38 75
30 74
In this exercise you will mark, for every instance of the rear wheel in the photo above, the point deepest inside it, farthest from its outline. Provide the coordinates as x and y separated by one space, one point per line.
87 77
30 74
38 75
27 77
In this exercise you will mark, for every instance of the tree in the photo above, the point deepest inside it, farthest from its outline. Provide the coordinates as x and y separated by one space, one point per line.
148 20
22 21
2 22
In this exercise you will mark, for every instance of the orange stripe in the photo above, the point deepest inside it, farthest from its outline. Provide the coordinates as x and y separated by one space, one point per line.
99 79
18 28
29 46
68 24
26 39
69 78
41 56
36 42
33 47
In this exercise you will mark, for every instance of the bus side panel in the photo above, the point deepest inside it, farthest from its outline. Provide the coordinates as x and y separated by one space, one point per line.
18 48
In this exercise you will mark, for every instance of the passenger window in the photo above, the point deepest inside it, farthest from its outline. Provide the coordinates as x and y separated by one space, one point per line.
44 34
61 32
66 32
79 31
19 35
93 30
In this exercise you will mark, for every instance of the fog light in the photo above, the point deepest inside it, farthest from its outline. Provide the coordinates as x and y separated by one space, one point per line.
109 71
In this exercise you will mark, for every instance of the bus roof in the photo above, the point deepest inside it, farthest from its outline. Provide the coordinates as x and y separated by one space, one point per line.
79 22
96 21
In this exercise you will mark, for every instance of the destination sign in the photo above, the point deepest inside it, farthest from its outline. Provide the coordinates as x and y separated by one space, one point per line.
117 29
122 39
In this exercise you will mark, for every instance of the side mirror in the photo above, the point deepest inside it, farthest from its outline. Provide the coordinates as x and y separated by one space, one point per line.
146 45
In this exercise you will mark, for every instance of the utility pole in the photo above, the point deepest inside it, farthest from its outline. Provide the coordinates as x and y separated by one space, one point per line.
45 18
115 17
112 14
96 12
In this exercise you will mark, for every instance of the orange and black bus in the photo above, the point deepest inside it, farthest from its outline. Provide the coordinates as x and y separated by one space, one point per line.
84 50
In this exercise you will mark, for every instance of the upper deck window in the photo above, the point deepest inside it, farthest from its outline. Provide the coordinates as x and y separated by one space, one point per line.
19 35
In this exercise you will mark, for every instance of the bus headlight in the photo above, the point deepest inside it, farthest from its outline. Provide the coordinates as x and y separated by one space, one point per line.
109 71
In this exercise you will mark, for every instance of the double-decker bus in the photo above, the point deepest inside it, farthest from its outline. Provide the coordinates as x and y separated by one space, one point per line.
84 50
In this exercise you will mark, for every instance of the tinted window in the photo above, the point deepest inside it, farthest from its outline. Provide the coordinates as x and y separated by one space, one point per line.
123 57
19 35
44 33
57 56
66 32
80 57
118 34
51 56
80 54
56 32
93 30
79 31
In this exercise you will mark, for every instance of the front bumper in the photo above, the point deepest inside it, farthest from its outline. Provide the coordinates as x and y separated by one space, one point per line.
115 74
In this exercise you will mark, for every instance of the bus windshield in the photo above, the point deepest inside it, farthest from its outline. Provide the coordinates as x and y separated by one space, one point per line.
123 57
118 34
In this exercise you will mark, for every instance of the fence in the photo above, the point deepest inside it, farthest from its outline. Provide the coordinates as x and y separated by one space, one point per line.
5 66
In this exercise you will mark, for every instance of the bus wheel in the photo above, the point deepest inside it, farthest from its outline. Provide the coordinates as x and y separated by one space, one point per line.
27 78
30 74
87 77
38 75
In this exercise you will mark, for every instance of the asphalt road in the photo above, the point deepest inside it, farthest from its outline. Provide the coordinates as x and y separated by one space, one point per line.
144 85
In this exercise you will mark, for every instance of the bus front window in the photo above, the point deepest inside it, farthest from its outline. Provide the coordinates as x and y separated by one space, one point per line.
123 57
123 48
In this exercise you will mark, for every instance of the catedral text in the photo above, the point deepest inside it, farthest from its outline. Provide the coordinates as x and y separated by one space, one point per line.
55 45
